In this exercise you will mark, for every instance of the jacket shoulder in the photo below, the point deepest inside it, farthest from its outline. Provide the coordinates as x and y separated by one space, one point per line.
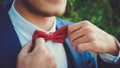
62 22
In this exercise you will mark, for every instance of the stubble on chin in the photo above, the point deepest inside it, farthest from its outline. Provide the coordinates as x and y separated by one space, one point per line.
41 12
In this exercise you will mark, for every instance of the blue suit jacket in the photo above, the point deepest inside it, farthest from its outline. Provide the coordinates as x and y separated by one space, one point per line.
10 45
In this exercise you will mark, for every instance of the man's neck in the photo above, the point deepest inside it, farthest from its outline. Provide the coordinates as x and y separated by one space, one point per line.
43 22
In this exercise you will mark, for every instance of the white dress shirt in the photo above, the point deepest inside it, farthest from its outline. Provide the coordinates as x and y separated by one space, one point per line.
25 30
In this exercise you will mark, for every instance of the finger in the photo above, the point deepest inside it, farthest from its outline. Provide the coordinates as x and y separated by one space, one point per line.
77 26
73 28
84 47
26 48
79 33
84 39
39 44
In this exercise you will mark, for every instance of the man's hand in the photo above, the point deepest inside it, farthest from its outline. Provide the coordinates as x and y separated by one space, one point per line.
86 36
39 57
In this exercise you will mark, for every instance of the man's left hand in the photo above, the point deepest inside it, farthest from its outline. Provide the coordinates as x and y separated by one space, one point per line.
86 36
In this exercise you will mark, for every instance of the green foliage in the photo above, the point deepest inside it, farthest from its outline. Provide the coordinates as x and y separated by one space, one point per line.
98 12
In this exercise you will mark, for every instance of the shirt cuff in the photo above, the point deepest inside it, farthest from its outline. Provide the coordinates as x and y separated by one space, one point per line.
110 58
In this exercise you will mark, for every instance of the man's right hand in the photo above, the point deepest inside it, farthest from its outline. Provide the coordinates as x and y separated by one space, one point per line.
39 57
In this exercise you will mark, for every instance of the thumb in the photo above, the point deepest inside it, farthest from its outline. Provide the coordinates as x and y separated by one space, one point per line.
26 48
39 44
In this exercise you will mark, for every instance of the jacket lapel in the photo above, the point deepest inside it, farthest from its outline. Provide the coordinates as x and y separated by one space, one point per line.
9 43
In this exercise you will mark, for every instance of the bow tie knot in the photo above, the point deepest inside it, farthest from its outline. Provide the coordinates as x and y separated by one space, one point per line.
57 36
50 36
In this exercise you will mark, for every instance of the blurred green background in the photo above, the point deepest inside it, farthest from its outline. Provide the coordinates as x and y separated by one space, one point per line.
103 13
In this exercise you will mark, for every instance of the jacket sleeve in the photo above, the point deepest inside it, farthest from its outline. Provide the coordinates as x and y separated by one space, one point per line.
102 64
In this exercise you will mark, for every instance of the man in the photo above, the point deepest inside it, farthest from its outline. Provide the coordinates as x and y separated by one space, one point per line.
19 20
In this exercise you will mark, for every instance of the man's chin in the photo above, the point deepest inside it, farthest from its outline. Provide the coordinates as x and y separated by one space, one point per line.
49 14
59 14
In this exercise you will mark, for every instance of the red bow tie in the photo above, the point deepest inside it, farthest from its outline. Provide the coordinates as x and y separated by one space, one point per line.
57 36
